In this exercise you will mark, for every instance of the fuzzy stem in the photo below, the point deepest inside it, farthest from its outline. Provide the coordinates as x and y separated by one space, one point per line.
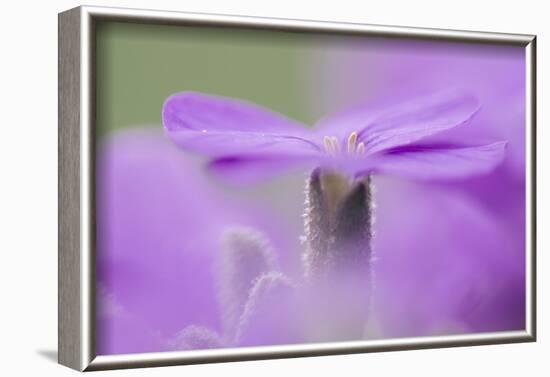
338 234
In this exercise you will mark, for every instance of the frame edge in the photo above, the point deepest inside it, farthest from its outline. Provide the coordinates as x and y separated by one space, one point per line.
531 105
69 313
163 359
174 17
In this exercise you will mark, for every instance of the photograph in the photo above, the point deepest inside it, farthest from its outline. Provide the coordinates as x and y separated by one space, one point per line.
273 187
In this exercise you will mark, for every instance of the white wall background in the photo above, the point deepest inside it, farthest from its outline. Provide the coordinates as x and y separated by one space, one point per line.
28 185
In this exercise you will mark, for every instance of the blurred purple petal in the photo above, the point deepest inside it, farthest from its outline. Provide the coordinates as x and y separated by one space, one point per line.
120 331
147 231
159 232
446 264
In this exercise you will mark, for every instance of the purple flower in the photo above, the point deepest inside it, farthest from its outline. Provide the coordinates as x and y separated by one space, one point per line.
247 142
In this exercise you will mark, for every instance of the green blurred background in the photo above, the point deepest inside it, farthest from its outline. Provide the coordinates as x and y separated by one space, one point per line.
140 65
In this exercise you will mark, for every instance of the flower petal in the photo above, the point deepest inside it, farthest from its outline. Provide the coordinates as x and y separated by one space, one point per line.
436 162
226 143
197 111
218 126
402 124
244 169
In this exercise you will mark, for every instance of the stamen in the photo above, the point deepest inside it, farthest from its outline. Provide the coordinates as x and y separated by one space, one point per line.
327 141
335 144
332 144
352 139
361 148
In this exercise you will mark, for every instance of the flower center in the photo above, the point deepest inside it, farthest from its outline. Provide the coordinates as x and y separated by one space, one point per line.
333 146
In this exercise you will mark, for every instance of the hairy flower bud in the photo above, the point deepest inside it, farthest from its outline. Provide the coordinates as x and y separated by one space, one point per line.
270 315
246 255
196 337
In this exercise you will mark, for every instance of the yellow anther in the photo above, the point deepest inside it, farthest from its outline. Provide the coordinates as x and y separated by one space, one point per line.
328 144
361 148
352 140
335 144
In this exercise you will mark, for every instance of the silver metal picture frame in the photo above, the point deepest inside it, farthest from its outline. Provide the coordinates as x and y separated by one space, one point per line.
77 222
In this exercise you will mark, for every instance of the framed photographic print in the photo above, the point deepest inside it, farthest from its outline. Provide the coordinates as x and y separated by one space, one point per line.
236 188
